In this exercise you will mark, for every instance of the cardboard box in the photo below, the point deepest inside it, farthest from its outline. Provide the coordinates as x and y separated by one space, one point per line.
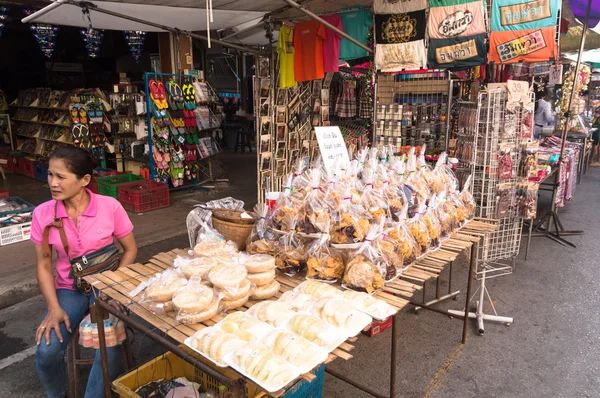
15 233
379 327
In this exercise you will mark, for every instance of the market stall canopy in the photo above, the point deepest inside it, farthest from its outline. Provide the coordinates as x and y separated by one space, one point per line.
590 56
579 8
175 15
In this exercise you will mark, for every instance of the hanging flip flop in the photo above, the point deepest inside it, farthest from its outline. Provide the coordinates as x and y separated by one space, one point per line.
75 113
162 96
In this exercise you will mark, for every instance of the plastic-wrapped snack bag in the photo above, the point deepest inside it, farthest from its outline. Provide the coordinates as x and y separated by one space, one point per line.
197 266
394 196
392 257
400 234
348 225
364 269
316 219
262 239
285 206
467 200
159 291
371 199
414 187
324 263
296 182
290 255
418 229
437 178
195 302
430 220
444 217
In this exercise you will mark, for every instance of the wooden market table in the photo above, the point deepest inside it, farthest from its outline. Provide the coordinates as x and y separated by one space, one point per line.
398 293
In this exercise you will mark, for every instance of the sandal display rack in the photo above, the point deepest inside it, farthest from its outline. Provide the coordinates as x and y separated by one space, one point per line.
180 125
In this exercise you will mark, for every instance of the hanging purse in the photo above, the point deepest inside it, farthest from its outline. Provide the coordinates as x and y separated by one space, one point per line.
103 259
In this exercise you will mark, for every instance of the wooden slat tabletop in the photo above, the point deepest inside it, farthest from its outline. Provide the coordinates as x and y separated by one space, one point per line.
118 284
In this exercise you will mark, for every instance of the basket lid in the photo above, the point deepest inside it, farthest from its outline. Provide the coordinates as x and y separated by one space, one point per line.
234 216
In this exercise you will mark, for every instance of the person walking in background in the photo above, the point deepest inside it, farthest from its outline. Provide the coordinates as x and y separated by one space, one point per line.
595 158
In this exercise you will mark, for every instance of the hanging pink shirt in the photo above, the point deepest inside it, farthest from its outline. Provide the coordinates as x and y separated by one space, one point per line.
103 220
331 45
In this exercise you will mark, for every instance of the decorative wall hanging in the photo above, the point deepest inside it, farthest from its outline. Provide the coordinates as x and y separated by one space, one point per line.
522 14
3 17
45 35
92 39
396 57
533 45
453 21
400 28
398 6
135 40
445 3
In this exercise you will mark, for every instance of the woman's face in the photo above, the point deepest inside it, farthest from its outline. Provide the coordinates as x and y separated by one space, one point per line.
63 183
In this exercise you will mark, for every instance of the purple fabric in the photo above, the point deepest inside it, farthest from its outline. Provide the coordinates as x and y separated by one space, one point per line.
579 8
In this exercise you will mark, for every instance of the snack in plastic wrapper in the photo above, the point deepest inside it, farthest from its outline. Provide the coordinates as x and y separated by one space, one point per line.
215 343
467 199
245 326
189 318
293 348
369 304
226 276
432 224
317 289
334 310
261 240
290 256
314 329
418 230
262 365
193 297
161 289
363 271
348 226
323 262
298 301
197 266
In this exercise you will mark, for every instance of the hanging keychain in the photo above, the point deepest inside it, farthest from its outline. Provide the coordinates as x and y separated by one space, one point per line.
506 165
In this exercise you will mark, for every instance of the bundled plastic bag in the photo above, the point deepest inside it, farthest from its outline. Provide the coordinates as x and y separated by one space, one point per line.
159 291
197 266
400 234
443 214
364 271
467 199
391 256
114 332
371 199
290 255
418 230
261 240
285 206
348 225
430 220
323 262
195 302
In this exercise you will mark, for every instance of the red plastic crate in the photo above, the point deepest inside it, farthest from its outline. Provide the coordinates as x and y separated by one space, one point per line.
379 327
26 167
7 163
4 194
143 196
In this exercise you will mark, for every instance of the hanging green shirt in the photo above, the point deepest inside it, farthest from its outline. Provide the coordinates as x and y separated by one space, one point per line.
285 48
356 24
444 3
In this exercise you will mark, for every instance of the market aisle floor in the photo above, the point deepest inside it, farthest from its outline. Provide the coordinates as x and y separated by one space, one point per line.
551 350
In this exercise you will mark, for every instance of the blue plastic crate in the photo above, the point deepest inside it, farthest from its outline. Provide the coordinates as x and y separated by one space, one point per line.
40 171
305 389
27 208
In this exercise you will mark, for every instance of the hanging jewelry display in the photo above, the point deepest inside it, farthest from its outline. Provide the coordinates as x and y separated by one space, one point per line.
45 35
3 17
135 40
92 39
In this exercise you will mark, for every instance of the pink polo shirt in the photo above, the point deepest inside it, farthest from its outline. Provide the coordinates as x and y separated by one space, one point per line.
103 220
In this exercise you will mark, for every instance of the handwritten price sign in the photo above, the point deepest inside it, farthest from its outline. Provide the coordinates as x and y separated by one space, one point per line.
332 146
518 91
556 74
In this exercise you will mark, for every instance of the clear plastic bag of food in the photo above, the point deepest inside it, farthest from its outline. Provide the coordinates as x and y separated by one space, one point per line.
437 178
467 199
159 291
262 239
408 247
444 216
290 255
195 302
324 263
371 199
392 195
316 219
348 225
391 256
418 230
364 271
195 266
434 229
285 206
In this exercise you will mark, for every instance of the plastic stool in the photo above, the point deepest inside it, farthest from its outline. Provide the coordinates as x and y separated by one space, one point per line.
73 361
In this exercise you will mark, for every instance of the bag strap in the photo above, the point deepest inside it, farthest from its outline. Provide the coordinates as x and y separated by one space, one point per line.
58 224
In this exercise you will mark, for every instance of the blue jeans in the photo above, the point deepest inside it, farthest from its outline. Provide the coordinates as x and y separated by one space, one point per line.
50 358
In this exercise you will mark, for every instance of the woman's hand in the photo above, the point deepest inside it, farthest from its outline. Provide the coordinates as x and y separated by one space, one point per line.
52 321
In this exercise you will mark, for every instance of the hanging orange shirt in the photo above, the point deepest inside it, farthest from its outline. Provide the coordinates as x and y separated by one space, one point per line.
308 44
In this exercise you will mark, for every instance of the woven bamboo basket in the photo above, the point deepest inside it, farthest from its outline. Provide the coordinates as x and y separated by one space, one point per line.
234 228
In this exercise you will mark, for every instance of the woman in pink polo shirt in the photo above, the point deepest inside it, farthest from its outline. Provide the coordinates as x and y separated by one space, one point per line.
90 222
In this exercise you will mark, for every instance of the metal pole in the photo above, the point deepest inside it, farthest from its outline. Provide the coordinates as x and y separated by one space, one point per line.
103 354
327 24
43 11
575 78
239 32
394 355
472 263
94 7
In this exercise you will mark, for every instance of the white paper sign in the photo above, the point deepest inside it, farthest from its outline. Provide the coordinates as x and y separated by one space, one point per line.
518 91
556 74
332 146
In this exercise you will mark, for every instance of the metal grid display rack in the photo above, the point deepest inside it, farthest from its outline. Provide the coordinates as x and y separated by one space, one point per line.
498 132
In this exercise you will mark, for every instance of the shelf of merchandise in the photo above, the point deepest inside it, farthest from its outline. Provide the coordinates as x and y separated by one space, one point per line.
45 108
43 123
